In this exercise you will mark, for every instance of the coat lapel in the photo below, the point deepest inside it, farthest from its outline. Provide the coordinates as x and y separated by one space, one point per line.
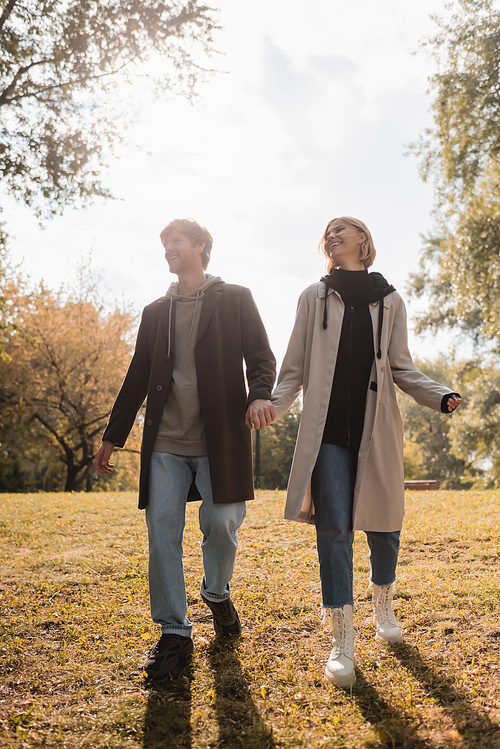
211 299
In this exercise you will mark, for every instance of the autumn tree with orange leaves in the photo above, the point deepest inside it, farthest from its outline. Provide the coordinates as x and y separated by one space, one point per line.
64 357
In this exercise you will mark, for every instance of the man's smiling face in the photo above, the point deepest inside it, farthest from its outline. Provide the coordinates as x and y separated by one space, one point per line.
180 254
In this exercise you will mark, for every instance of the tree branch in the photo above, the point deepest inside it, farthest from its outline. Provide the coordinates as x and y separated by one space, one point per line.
96 421
5 93
51 429
54 86
6 13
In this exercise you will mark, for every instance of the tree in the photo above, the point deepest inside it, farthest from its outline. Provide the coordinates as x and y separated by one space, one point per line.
3 300
65 66
459 268
65 356
428 447
475 431
465 139
277 446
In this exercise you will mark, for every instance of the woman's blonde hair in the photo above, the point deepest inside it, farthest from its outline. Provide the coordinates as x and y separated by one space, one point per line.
368 250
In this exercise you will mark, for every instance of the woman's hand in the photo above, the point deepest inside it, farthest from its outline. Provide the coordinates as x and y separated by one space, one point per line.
453 402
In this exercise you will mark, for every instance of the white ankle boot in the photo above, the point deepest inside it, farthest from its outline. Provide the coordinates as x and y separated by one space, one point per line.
340 667
386 627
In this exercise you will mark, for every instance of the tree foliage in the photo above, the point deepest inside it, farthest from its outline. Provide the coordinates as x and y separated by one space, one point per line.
459 268
428 450
66 75
475 431
65 355
277 446
465 88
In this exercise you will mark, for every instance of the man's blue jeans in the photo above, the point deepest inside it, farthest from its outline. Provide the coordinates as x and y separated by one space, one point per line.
169 480
333 482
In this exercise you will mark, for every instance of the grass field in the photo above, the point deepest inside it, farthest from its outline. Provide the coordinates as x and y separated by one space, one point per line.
75 629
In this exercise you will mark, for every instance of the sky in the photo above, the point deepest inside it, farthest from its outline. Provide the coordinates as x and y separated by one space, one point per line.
309 118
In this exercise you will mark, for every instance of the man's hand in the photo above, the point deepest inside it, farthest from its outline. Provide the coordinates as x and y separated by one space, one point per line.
453 402
260 413
101 460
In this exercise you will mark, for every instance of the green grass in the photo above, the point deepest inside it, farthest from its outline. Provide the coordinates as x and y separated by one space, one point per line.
75 627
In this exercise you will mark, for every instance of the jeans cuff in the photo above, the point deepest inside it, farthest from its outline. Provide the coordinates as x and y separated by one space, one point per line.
214 597
382 585
176 629
325 609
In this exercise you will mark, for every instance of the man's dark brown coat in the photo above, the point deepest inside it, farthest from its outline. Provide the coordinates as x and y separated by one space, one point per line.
230 331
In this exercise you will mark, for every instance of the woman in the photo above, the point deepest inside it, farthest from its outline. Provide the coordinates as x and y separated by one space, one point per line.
347 349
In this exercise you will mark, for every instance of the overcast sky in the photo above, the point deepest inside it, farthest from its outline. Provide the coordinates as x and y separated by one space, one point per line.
310 121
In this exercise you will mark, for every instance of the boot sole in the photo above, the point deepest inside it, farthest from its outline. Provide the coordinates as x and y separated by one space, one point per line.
341 681
389 640
345 681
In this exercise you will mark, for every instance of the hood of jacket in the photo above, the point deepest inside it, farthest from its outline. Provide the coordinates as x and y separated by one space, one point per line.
381 288
172 292
195 296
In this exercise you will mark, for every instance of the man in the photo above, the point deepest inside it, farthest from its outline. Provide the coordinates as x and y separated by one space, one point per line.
196 443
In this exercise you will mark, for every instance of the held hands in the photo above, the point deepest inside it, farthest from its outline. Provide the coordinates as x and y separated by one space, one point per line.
101 460
453 402
260 413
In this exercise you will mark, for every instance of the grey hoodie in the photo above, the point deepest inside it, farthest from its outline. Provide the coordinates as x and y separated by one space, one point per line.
181 428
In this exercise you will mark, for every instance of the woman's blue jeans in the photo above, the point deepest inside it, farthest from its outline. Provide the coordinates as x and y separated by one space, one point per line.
333 482
170 477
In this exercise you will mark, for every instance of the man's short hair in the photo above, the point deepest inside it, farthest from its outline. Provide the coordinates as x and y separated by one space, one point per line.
197 235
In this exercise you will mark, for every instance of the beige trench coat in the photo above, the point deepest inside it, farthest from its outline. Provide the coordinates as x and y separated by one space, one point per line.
309 365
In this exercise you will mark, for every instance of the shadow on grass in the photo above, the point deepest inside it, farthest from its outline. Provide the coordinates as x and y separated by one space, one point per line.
240 724
167 722
475 728
394 728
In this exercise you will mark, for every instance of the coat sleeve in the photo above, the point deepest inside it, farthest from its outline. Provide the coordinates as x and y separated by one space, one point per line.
422 389
291 376
132 392
259 359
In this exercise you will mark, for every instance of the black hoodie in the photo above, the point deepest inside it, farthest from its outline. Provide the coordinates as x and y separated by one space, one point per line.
346 410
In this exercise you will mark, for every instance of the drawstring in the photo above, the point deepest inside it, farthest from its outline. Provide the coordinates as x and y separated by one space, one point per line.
170 328
199 296
380 321
198 293
380 316
325 324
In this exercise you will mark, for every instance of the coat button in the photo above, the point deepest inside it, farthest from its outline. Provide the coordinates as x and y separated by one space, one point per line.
159 387
149 422
383 369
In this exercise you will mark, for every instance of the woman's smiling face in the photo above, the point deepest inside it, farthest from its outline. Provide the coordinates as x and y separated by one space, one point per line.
343 243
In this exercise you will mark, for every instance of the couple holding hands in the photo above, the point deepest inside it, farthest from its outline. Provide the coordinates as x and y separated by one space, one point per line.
347 349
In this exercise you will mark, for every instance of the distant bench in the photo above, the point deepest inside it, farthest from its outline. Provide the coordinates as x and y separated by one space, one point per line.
419 485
